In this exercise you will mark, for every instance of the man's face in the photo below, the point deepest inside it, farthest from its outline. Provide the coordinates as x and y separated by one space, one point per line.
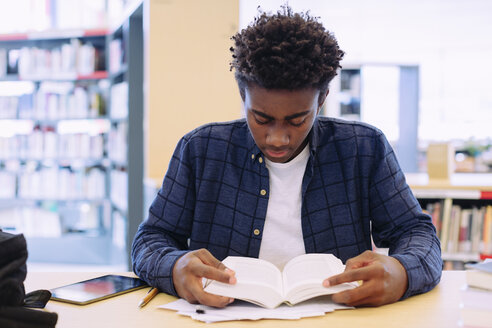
280 120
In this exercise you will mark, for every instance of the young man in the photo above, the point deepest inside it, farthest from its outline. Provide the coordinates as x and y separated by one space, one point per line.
284 182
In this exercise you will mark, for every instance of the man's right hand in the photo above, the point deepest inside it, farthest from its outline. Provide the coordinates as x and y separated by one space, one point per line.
188 272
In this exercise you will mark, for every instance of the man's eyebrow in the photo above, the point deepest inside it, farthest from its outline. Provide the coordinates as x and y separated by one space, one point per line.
262 114
290 117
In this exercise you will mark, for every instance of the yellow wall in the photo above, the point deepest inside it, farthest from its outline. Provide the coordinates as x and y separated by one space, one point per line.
188 82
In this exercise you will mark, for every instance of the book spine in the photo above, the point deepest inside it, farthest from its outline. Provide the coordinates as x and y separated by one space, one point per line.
446 218
487 231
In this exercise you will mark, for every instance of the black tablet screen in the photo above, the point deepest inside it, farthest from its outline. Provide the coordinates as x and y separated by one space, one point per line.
96 289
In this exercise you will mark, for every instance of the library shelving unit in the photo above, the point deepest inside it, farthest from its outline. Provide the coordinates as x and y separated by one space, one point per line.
461 210
126 111
68 182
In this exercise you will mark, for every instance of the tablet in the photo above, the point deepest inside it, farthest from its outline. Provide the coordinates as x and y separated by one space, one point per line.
93 290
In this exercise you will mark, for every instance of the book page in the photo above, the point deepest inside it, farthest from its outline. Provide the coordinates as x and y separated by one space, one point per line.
258 281
303 276
256 271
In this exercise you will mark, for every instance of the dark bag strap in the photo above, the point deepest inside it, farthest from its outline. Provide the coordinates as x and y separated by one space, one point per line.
37 299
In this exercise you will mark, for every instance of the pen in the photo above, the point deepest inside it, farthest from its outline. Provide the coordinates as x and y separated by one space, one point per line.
150 295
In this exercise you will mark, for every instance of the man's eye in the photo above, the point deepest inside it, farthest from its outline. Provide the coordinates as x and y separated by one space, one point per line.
261 121
297 122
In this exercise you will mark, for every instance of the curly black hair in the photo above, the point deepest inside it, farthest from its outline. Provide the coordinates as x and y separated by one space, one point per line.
285 50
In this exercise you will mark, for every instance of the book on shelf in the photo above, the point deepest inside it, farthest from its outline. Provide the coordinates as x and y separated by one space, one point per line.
119 100
262 283
464 238
3 63
487 231
8 183
446 222
119 188
435 210
115 56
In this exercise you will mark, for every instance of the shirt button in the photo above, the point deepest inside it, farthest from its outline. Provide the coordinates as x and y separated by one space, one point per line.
260 160
263 192
256 232
252 156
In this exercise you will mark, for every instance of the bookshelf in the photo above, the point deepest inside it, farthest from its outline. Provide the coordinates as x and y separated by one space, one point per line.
461 210
68 120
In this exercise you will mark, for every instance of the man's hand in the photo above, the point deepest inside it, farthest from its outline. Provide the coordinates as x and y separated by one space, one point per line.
384 280
188 272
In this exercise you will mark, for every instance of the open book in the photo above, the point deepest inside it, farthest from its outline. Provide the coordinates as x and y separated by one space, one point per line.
262 283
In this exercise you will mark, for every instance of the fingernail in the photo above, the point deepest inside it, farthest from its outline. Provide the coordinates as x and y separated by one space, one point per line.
229 270
231 300
232 280
326 283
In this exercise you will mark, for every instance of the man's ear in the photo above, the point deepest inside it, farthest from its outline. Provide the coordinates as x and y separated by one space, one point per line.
321 99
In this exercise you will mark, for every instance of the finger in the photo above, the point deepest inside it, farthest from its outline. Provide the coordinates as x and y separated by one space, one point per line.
360 260
210 272
364 273
368 301
212 300
354 296
209 259
196 294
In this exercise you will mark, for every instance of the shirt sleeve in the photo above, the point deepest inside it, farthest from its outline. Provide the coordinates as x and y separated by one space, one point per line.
399 224
162 238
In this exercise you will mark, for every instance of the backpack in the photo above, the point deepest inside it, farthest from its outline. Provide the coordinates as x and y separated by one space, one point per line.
14 303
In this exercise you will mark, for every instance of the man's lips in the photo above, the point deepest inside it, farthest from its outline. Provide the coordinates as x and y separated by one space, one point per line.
276 153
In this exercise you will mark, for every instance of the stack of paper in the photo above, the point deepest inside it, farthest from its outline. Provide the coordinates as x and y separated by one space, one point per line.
240 310
476 297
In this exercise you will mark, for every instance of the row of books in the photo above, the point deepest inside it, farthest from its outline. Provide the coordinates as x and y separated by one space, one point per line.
70 58
54 101
31 221
460 229
57 183
45 143
52 221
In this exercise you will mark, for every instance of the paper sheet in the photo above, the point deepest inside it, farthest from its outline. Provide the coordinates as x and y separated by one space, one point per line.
240 310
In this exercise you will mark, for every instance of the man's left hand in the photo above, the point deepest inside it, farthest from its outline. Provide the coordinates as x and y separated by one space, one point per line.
384 280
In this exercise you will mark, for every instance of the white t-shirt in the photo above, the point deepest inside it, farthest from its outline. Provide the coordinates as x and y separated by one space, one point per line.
282 234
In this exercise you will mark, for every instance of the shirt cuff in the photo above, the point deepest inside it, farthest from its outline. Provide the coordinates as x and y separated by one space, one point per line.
164 278
414 284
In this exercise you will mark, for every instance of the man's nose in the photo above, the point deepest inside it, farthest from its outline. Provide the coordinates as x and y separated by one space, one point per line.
277 136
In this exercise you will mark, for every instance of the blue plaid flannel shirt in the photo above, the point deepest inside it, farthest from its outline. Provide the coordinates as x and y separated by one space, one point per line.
215 195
